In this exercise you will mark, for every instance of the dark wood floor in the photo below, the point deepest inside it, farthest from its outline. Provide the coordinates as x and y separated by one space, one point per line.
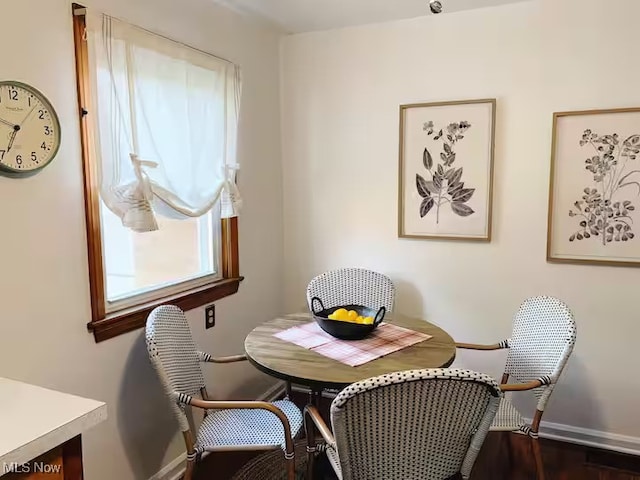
563 461
504 456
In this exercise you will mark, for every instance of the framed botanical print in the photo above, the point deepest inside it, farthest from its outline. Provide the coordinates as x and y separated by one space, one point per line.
446 170
594 194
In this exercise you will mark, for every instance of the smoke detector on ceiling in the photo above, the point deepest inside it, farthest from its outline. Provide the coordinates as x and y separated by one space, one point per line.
435 6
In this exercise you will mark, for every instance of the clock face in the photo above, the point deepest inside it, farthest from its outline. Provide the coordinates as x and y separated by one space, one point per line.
29 130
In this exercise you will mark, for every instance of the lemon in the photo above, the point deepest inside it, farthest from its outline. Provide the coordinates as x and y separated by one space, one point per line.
340 314
368 321
352 316
332 316
360 319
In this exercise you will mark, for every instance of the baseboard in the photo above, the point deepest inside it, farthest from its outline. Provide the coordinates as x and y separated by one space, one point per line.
274 393
590 438
175 469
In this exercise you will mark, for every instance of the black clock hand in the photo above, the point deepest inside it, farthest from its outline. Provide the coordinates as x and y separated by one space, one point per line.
2 120
16 129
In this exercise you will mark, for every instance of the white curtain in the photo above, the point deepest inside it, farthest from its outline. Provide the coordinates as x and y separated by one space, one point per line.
166 118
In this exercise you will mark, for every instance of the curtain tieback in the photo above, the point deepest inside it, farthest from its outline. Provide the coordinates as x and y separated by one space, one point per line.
137 199
143 179
230 199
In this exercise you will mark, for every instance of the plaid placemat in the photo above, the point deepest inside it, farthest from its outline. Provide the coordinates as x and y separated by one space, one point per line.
385 339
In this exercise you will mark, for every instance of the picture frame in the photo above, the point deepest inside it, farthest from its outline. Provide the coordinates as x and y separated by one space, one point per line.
594 202
445 177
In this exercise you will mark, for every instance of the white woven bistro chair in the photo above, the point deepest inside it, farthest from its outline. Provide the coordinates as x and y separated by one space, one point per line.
227 425
352 286
412 425
543 336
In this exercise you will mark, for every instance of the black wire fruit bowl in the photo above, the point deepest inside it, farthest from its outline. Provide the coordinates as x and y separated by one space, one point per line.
346 330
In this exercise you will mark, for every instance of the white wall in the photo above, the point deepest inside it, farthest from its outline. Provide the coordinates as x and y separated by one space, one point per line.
341 91
44 289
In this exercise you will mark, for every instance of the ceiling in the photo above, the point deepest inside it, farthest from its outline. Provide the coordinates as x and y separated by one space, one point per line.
308 15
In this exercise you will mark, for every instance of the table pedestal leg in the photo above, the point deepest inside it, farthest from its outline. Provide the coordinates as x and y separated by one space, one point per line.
288 390
314 399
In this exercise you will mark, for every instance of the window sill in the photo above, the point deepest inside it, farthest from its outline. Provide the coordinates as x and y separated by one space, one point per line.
136 317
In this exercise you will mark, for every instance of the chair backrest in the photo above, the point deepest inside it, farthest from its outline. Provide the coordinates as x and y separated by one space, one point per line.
544 333
417 424
356 286
174 355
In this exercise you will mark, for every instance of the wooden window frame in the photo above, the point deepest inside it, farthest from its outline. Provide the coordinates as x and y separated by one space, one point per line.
108 325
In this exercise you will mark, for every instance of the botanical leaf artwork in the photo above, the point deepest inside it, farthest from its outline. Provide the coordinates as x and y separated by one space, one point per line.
443 187
603 212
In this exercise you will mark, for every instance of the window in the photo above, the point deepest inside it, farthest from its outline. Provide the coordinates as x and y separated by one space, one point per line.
144 265
189 260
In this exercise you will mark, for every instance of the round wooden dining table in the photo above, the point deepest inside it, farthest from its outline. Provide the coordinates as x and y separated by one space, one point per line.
298 365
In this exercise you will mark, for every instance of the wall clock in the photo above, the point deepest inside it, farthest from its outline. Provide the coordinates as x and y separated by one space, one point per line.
29 130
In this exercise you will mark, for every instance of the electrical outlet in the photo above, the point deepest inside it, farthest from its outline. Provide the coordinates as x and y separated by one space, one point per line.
210 316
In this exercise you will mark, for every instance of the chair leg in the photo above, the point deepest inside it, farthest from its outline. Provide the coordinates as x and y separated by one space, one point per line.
311 447
291 469
191 453
315 397
537 453
188 473
535 444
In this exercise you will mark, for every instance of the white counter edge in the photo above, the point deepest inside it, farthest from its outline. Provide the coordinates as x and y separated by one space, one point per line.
54 438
